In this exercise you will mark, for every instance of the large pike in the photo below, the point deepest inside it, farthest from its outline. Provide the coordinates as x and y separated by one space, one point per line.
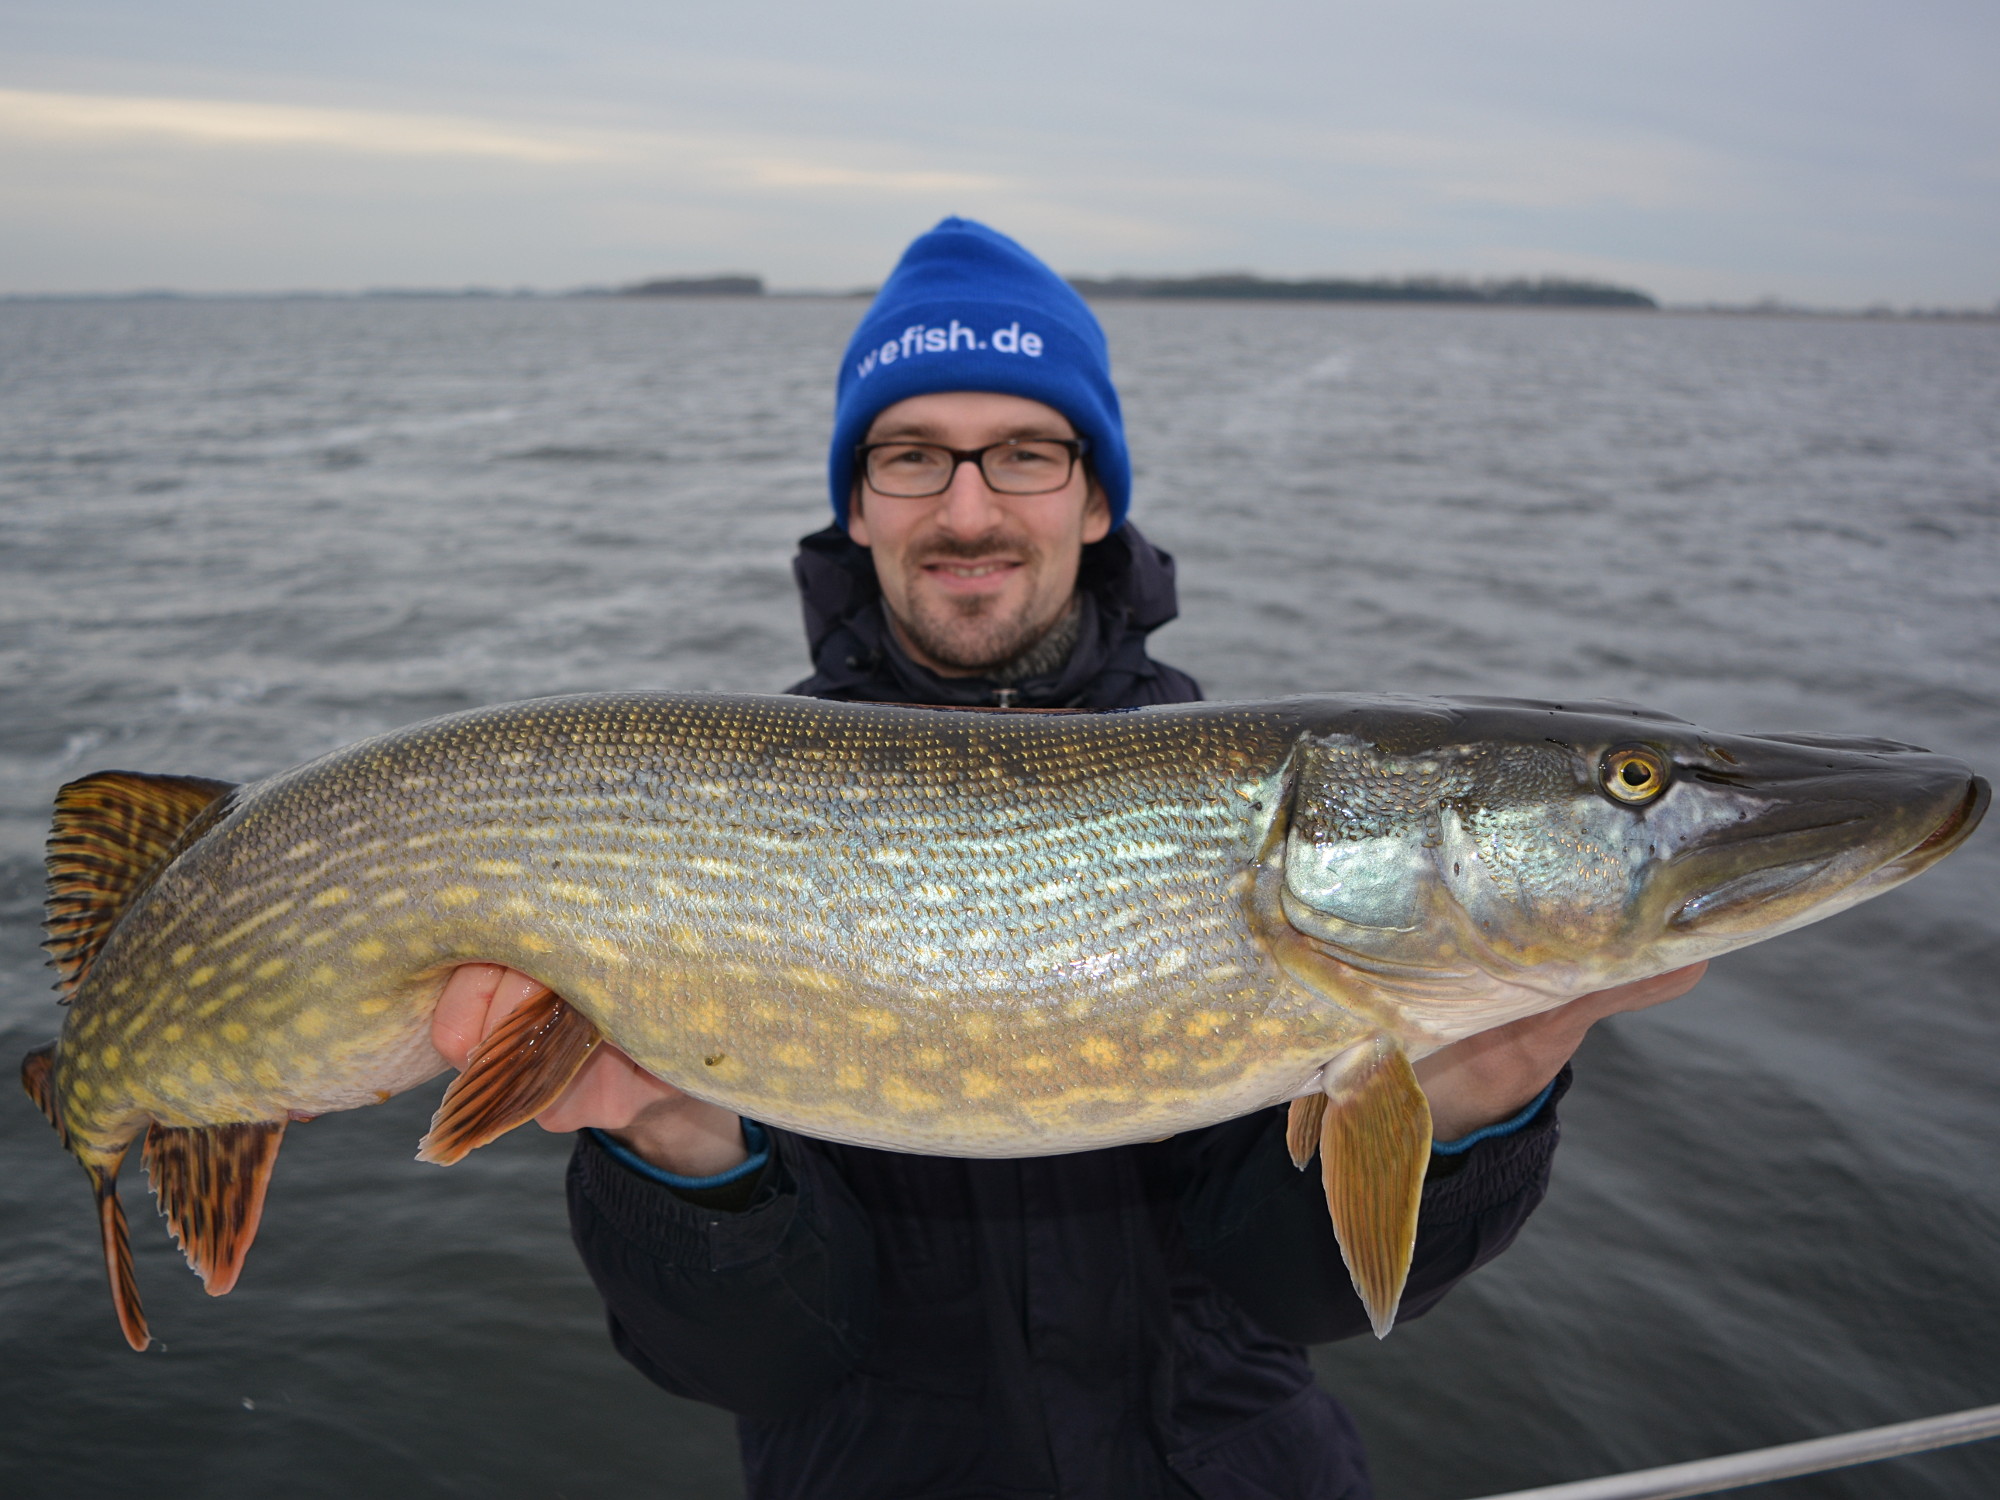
973 934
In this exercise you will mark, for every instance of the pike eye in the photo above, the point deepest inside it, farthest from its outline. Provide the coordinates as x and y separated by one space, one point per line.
1633 773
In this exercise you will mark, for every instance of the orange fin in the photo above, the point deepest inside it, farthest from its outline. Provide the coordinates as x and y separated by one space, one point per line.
210 1182
38 1078
113 833
511 1077
1302 1128
118 1257
1374 1147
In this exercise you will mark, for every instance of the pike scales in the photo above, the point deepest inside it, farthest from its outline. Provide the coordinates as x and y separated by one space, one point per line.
969 933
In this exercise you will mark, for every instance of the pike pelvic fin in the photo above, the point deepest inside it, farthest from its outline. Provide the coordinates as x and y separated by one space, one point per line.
210 1181
1302 1124
1374 1147
113 833
118 1255
512 1076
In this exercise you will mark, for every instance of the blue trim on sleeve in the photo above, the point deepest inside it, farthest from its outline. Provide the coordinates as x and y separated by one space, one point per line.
1489 1132
754 1136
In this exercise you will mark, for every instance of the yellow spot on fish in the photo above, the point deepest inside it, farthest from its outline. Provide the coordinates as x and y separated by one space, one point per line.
929 1057
309 1022
208 1008
899 1093
266 1072
792 1055
270 968
1161 1062
232 1070
496 867
182 954
535 943
874 1021
324 974
201 976
1206 1023
850 1077
81 1087
90 1028
373 1007
395 897
1101 1052
303 850
333 895
977 1026
978 1085
112 1056
173 1033
368 950
1034 1062
199 1072
231 991
235 1031
453 896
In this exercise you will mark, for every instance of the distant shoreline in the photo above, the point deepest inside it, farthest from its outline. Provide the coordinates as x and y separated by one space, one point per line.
1518 294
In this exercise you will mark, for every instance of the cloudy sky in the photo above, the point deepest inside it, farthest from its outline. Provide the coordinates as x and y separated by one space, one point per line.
1822 151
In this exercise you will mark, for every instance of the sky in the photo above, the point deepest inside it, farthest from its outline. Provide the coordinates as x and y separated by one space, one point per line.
1822 152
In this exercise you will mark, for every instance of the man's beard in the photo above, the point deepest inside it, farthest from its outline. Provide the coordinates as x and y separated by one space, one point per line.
972 635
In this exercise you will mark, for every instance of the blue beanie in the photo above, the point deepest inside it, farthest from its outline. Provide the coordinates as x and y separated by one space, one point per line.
967 309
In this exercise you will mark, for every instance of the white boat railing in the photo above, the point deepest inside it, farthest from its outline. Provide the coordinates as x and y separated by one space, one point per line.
1709 1476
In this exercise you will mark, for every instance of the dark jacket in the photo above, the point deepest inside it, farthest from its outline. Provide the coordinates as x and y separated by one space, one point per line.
1117 1325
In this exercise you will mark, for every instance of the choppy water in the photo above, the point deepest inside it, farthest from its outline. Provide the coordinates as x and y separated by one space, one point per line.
233 535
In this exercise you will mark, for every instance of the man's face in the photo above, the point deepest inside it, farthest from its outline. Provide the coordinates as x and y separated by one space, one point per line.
971 577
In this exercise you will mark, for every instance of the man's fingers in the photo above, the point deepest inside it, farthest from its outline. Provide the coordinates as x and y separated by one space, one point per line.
460 1018
476 998
1655 991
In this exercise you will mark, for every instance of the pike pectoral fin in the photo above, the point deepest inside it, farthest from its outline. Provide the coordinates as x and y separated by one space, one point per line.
210 1181
1302 1124
118 1256
1374 1146
512 1076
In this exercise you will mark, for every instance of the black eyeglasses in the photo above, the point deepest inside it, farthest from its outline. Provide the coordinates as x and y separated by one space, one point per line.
1018 466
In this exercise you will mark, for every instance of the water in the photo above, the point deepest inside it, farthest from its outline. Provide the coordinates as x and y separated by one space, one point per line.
233 535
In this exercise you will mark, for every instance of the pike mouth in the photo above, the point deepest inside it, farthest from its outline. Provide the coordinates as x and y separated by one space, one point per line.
1745 891
1955 829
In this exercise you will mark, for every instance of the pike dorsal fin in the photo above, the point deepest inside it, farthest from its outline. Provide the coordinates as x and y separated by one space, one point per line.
210 1182
114 832
511 1077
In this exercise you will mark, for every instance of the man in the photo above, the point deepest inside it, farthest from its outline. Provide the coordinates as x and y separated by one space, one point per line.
1115 1324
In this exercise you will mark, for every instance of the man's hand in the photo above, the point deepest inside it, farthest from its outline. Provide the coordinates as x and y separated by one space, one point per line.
670 1129
1486 1078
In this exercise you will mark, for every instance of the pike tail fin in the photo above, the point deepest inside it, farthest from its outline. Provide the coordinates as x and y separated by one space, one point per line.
512 1076
1374 1147
118 1256
38 1070
38 1078
210 1181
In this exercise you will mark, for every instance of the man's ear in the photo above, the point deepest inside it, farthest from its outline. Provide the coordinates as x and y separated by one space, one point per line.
1096 515
857 524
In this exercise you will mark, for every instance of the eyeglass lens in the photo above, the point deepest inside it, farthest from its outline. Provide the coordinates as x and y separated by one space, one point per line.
1015 468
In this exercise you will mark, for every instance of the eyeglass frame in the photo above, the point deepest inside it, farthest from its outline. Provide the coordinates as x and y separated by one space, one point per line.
1075 446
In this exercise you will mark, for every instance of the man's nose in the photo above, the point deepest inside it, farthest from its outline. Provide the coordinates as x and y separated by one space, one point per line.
968 506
